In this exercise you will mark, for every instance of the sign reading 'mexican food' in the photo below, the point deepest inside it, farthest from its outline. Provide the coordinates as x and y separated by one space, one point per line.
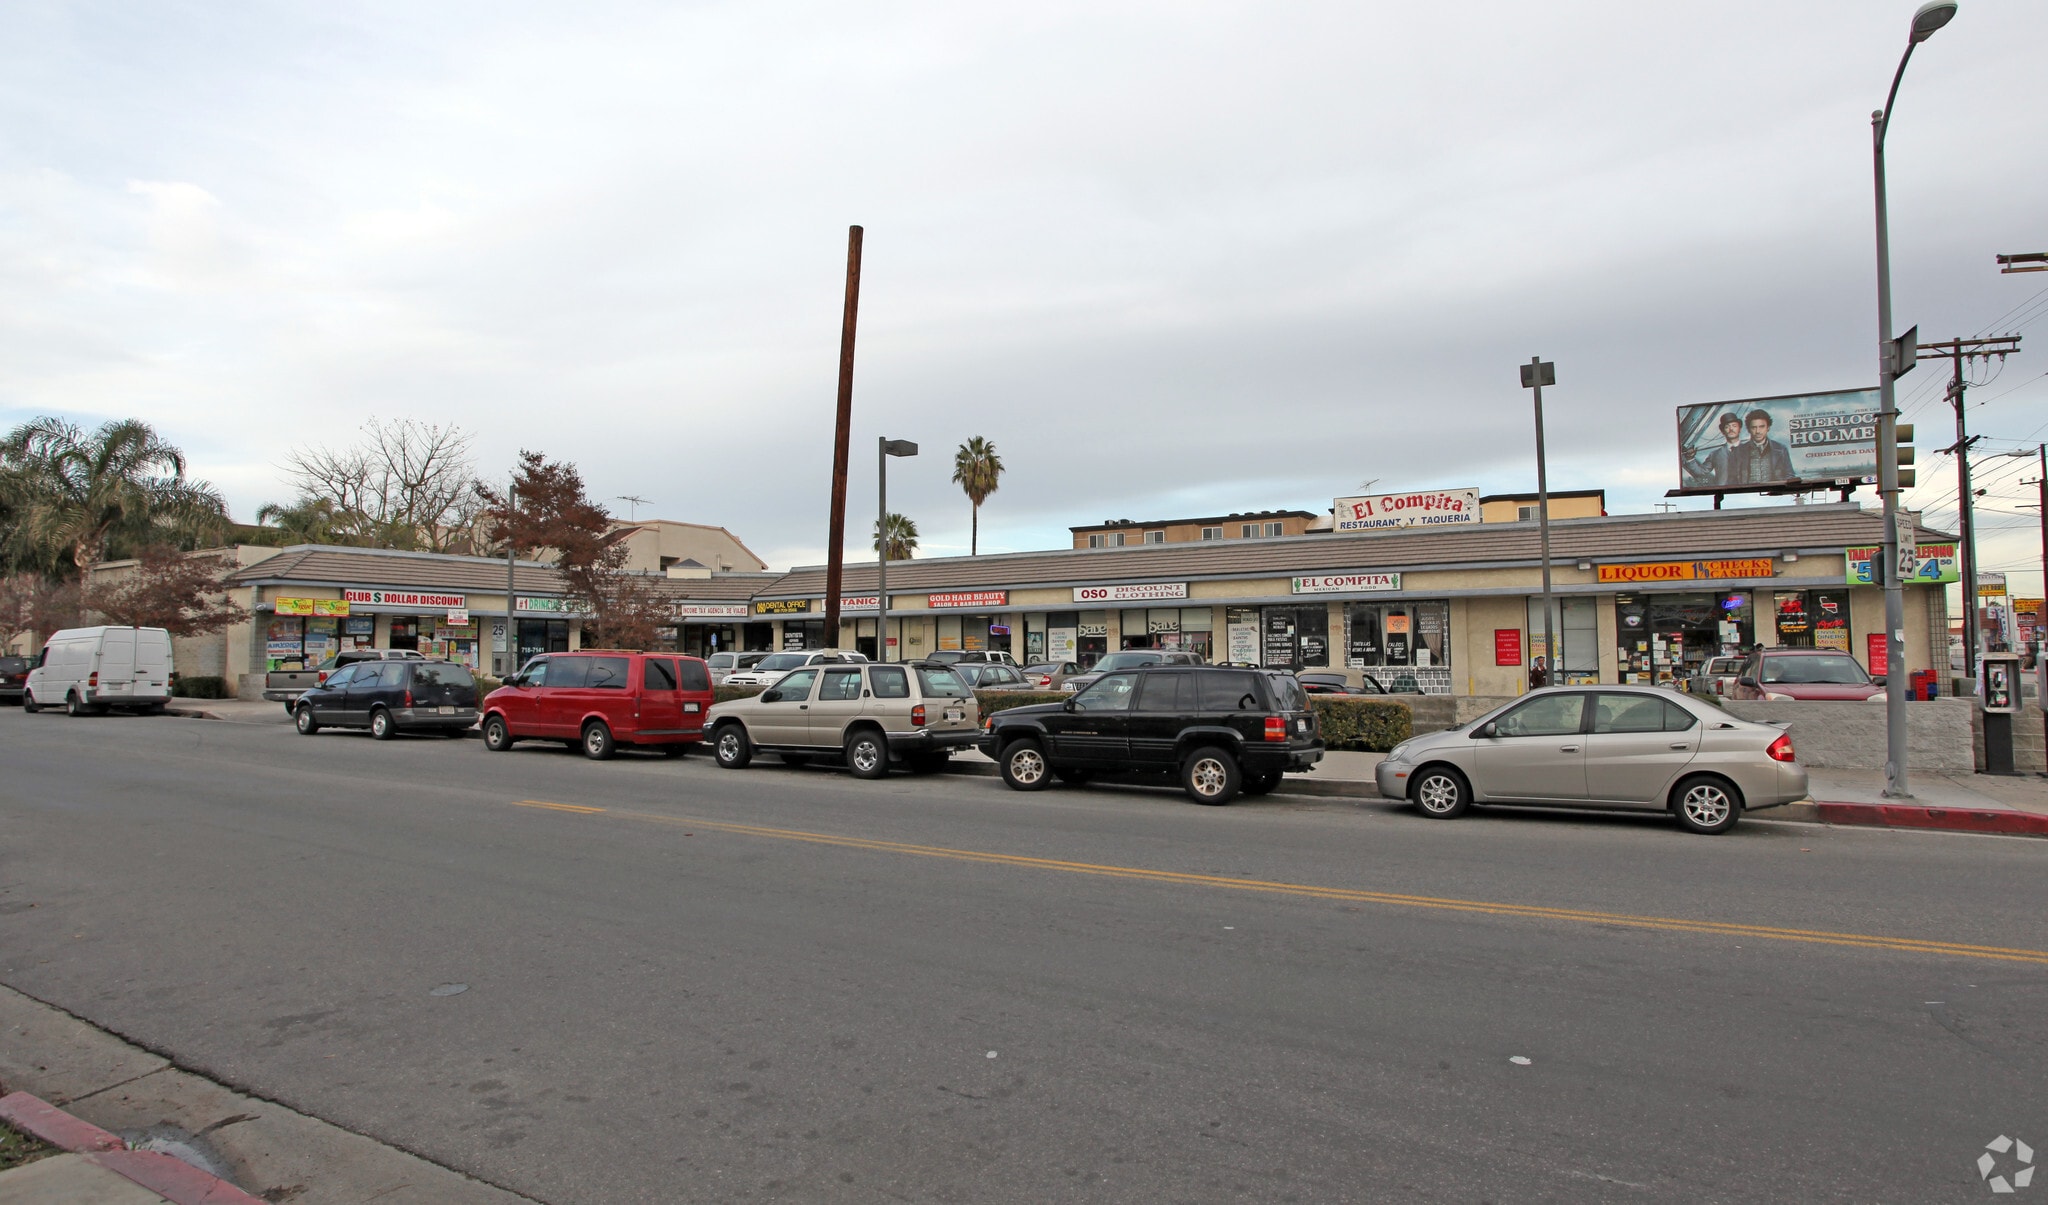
405 598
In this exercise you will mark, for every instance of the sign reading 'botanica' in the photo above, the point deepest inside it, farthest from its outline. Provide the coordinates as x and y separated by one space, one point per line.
1346 583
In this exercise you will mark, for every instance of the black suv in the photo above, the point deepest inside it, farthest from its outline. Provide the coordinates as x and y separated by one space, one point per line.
1217 730
14 676
390 696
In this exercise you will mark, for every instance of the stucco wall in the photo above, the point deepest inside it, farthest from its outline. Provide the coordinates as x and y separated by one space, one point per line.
1851 736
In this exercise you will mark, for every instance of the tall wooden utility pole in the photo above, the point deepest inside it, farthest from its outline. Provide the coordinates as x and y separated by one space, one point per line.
1960 352
835 554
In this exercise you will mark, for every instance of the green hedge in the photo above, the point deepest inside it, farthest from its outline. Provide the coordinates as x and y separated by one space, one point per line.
993 701
202 686
726 694
1371 725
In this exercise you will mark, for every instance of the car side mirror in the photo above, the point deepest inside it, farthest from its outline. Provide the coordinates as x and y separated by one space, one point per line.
1878 678
1067 705
1750 682
1485 731
771 696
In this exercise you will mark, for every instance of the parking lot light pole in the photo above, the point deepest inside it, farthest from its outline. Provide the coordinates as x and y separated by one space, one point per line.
1926 19
1537 373
886 448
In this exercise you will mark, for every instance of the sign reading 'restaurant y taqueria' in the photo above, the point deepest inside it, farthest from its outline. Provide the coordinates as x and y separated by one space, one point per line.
1346 583
1689 571
1416 508
405 598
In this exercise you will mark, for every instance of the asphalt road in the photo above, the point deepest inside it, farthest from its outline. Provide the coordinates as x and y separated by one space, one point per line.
687 984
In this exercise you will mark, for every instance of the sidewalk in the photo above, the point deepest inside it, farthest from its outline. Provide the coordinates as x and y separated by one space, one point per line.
136 1130
247 711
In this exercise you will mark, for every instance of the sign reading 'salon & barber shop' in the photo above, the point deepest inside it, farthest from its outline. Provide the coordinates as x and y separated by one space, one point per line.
1689 571
1346 583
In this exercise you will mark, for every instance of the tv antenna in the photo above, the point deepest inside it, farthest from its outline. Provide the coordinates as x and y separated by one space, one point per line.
633 504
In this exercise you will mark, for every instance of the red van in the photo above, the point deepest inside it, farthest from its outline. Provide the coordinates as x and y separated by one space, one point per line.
601 699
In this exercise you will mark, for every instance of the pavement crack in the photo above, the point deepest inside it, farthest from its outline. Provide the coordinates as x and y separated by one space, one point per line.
110 1087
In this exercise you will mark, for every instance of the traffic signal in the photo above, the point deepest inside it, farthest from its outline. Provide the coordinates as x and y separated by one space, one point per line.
1903 437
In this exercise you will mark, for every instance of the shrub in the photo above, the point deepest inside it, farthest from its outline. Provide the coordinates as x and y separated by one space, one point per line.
993 701
201 686
485 684
726 694
1371 725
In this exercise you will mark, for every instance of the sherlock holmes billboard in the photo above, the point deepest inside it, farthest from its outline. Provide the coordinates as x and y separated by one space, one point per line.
1823 438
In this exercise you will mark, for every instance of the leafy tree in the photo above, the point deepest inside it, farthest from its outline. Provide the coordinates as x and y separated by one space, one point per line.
181 592
30 602
71 496
902 537
309 521
550 516
977 469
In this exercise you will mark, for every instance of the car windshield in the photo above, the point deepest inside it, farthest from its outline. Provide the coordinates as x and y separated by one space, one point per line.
777 662
940 680
1128 660
1838 670
442 673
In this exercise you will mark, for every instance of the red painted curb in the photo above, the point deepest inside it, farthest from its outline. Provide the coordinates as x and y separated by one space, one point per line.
1963 820
35 1116
167 1177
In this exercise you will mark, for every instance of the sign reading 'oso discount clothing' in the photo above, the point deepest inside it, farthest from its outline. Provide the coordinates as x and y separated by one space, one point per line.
1131 592
406 598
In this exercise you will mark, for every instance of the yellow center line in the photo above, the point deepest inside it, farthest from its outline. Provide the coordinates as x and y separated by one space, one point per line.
1669 924
554 807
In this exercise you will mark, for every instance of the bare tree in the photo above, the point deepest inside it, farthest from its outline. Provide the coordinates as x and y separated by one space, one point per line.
408 485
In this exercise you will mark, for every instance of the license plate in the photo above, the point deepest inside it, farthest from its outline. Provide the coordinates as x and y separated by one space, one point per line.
954 713
1301 725
446 710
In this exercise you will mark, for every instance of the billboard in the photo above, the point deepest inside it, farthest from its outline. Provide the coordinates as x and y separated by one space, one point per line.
1415 508
1761 443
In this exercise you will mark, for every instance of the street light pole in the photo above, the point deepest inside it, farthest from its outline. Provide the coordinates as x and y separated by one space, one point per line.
1535 375
1928 18
884 449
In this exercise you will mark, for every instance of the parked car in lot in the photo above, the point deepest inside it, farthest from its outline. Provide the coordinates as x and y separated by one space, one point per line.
1637 747
1051 675
1130 659
722 665
13 677
93 670
285 686
1346 681
389 696
769 670
1714 676
993 675
601 699
1216 730
869 714
1779 675
957 656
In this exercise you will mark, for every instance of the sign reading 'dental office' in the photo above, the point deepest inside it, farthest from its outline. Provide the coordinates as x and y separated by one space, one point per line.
974 598
1416 508
1131 592
1346 583
1768 441
1937 563
782 606
1687 571
406 598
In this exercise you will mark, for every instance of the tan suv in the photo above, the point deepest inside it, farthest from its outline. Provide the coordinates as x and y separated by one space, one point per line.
868 714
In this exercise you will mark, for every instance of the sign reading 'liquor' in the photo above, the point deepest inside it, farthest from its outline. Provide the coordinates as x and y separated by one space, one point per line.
1131 592
1346 583
405 598
1688 571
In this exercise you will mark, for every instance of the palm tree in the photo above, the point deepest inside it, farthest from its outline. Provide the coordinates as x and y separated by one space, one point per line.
310 521
977 468
902 537
71 493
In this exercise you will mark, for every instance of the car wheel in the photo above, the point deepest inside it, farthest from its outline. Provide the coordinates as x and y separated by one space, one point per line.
1025 766
73 705
1705 804
381 726
497 737
303 718
1073 778
1441 793
1261 784
598 744
867 754
731 747
1210 775
29 704
291 708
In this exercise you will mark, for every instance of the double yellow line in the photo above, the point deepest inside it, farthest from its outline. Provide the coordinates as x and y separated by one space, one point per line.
1668 924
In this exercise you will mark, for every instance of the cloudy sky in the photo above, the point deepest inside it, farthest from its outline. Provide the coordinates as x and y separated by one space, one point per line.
1172 259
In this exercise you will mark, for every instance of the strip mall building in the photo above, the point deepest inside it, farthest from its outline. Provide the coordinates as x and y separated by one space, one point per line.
1454 609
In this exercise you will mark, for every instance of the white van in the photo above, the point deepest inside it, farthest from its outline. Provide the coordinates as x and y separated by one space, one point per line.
92 670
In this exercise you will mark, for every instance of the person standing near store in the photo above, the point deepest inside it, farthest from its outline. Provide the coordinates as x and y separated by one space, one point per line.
1539 674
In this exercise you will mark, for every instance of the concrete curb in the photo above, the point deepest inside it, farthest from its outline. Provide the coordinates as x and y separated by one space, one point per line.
159 1173
1959 820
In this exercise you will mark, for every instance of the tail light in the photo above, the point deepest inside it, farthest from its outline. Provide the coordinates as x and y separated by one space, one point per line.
321 680
917 715
94 680
1781 749
1276 727
408 696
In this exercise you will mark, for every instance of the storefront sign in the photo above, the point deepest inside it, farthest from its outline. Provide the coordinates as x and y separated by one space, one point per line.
458 616
1130 592
1935 563
1244 643
1878 654
1346 583
294 606
1688 571
1060 644
1097 630
1422 508
783 606
548 605
330 608
1507 646
1990 585
405 598
859 602
709 610
333 608
975 598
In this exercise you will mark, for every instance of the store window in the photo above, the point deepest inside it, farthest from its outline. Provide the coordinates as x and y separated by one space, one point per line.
1664 638
1407 644
1189 629
1813 619
1114 539
1212 533
800 634
1576 629
1155 537
1295 637
1092 631
537 636
405 632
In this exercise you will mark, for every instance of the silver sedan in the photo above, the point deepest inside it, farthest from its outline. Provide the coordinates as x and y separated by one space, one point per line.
1608 746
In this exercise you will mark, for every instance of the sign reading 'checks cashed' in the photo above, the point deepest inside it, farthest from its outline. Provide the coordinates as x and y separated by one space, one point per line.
1689 571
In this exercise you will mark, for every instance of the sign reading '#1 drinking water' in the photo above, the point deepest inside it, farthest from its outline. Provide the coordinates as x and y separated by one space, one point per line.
1417 508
